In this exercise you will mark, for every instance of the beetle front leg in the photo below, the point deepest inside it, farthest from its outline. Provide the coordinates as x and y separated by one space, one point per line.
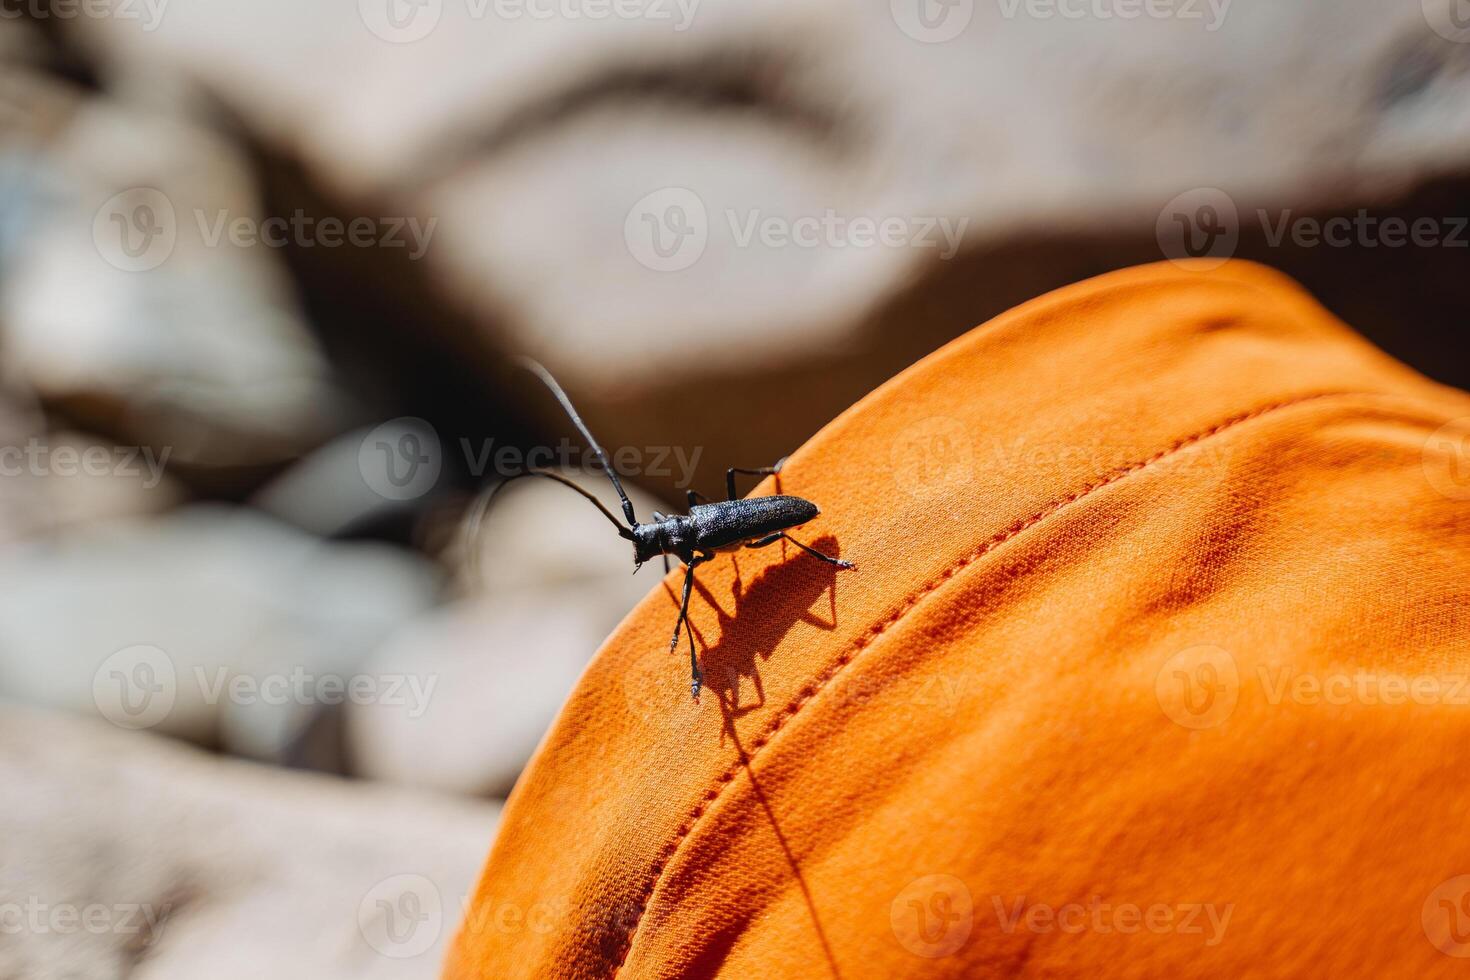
696 679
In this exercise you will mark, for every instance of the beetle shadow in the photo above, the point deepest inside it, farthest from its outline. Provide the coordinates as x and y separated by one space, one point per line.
782 595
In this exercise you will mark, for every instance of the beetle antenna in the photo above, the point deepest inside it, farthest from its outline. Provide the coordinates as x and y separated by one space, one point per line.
480 506
535 368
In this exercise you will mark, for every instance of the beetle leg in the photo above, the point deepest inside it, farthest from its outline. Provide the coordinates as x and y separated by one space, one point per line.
696 680
768 539
761 471
683 607
695 497
840 563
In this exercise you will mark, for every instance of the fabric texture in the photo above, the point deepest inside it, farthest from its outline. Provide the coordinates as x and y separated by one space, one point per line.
1153 664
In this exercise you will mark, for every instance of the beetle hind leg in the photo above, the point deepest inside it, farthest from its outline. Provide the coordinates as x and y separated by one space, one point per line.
783 536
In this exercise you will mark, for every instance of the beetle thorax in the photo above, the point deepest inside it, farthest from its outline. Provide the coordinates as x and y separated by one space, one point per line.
670 536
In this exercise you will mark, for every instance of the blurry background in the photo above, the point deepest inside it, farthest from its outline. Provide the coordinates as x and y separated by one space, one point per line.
261 269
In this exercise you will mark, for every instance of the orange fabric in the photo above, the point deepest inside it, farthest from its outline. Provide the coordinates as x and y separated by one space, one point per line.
1153 665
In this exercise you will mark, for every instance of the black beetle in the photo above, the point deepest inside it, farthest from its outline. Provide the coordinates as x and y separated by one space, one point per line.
693 538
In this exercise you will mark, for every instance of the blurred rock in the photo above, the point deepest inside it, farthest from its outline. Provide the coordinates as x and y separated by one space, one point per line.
553 582
50 481
128 299
215 624
502 667
22 506
106 482
359 478
20 42
125 856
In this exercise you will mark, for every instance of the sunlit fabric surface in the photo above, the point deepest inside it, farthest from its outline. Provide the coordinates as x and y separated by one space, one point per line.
1153 665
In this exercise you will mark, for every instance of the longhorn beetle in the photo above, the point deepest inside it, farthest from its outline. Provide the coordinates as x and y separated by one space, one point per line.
693 538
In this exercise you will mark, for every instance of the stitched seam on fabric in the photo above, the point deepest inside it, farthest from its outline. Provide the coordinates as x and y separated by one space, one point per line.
814 686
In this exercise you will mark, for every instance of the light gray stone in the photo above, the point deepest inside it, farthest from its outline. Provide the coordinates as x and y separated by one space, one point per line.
123 855
214 624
